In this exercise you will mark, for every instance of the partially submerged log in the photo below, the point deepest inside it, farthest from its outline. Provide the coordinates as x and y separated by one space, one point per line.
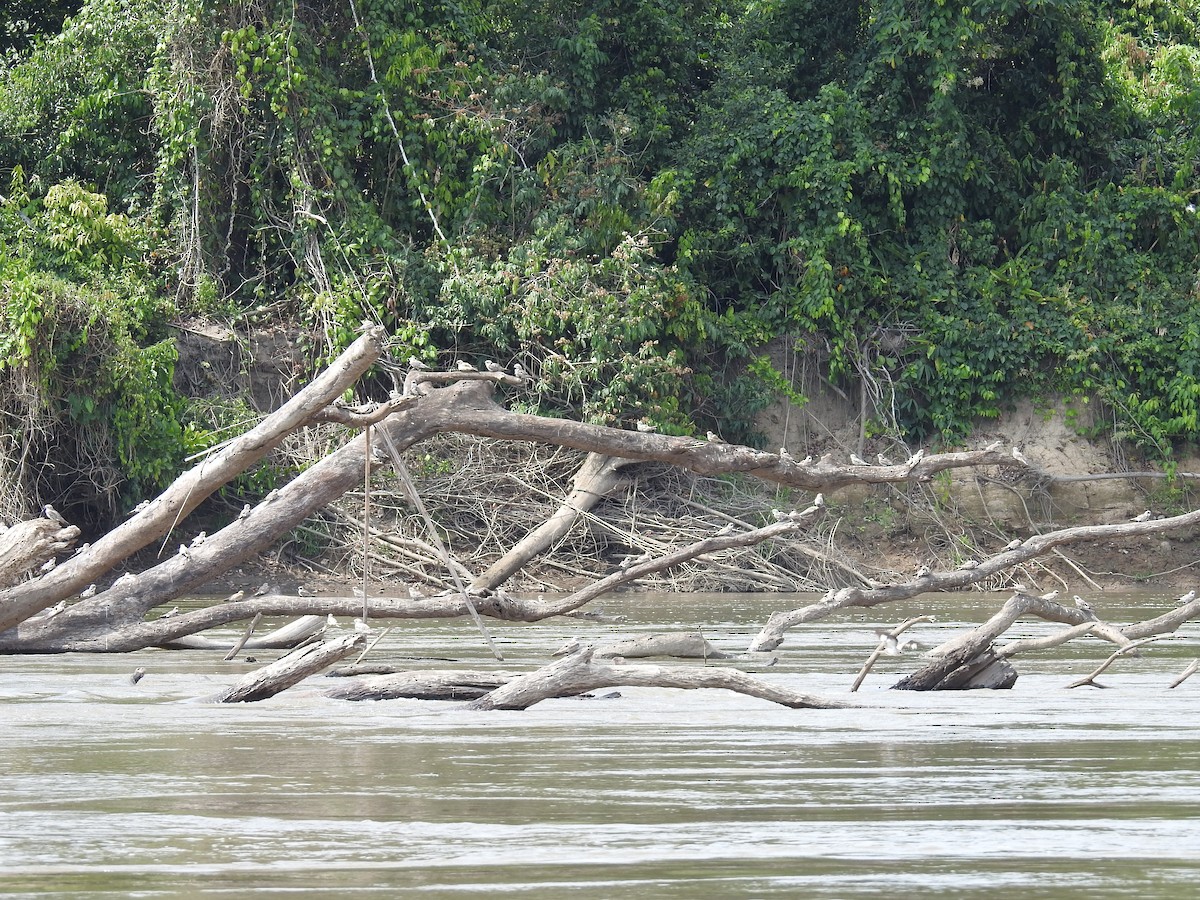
970 660
678 644
772 633
291 669
440 685
579 673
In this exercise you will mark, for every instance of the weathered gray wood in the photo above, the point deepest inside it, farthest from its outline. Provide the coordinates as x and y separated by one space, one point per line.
772 633
291 669
26 546
678 644
444 685
186 493
595 480
579 673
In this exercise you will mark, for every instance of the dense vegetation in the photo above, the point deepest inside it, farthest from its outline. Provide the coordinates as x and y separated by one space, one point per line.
960 202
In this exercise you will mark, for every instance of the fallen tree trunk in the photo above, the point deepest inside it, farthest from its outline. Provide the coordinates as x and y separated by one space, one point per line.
157 520
291 669
596 479
579 673
29 545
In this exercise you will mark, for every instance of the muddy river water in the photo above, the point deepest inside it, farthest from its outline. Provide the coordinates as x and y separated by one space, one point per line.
113 789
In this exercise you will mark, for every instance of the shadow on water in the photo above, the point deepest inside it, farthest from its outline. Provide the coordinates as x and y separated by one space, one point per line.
117 789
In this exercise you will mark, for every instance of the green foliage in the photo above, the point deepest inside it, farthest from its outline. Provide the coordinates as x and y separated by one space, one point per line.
85 369
631 198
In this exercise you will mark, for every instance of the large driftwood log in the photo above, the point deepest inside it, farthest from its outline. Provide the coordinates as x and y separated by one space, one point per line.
579 673
291 669
156 521
27 546
444 685
678 644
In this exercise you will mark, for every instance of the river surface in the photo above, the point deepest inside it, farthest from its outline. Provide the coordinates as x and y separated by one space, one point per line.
115 789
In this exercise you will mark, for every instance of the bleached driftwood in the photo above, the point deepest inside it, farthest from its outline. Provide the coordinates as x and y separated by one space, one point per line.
291 669
772 633
28 545
579 673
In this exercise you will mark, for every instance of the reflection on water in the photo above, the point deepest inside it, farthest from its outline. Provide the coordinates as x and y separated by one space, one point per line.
113 788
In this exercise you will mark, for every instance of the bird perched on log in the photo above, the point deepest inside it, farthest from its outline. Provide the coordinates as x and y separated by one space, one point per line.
464 366
1082 605
923 571
361 627
645 427
199 539
49 512
414 363
1144 517
245 512
48 565
883 460
856 460
184 551
414 593
493 366
234 598
173 611
519 371
916 457
1186 598
88 592
714 438
262 589
784 456
1051 595
1020 457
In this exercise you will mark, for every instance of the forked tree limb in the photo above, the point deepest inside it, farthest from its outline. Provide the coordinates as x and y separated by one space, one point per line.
1099 670
191 488
772 633
974 648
